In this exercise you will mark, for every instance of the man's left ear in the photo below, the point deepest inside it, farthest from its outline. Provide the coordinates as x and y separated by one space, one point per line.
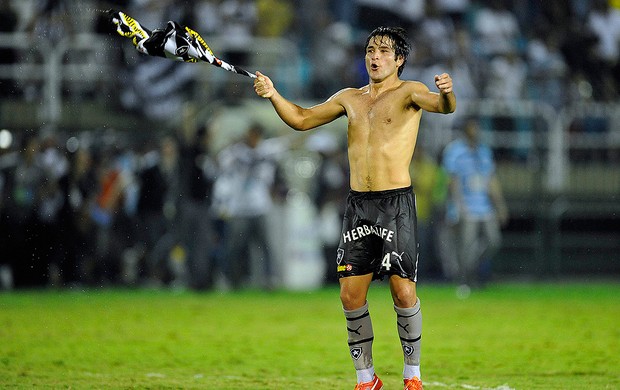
400 60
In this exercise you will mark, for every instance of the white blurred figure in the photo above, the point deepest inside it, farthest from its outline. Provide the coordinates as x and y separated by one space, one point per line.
506 77
496 29
238 25
548 70
604 21
243 199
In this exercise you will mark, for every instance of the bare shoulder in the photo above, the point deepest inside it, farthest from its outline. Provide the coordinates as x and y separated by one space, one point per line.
414 86
347 93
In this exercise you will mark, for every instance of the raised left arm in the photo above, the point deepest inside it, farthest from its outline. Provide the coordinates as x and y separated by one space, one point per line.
447 100
443 102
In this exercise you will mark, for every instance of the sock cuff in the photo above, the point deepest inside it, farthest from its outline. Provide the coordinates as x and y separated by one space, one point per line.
352 314
408 311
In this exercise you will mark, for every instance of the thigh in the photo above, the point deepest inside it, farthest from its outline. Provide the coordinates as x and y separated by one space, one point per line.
492 232
468 232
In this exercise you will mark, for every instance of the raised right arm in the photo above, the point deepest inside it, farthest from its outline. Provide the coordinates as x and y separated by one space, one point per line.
297 117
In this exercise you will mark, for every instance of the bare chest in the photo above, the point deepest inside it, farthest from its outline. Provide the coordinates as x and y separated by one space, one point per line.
387 114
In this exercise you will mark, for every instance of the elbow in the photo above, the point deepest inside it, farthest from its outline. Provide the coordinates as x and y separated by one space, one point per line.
298 121
299 125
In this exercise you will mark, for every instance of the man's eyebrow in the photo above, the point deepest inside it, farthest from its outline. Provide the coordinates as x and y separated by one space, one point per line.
381 45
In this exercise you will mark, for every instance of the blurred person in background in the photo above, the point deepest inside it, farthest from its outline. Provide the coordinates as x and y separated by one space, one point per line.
111 221
427 179
379 228
157 211
547 70
329 194
24 180
79 187
48 244
476 204
244 197
496 29
238 27
198 171
274 18
506 81
603 21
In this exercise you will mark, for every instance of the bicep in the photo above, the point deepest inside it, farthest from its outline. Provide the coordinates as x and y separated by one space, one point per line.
322 113
425 98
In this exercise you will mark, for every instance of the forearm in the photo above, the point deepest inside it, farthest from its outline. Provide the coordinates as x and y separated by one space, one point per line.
289 112
447 102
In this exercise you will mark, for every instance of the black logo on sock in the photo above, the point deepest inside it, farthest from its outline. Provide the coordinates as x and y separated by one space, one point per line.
408 350
356 352
356 331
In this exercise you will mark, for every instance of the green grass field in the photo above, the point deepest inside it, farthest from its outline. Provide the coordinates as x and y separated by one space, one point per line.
509 336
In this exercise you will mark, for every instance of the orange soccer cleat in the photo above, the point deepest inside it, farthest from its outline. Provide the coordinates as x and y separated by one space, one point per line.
374 384
413 384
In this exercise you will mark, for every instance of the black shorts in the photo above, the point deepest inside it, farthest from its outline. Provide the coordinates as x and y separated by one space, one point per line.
379 235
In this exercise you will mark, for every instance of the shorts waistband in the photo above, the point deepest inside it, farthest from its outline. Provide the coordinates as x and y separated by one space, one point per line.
380 194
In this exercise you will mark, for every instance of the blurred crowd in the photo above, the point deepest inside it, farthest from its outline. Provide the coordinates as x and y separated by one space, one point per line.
164 212
100 209
106 207
555 51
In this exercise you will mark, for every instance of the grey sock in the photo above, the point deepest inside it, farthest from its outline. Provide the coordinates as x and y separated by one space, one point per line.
361 336
409 323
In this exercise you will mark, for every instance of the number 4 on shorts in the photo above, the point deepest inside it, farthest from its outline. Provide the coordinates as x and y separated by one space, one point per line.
385 263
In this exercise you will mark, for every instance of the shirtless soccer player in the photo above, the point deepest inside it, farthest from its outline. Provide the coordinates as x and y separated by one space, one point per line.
379 228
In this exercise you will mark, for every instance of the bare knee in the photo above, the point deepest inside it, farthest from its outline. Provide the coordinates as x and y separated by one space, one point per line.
403 292
351 299
353 291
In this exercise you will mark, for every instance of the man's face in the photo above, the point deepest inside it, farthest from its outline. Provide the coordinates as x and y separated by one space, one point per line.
381 59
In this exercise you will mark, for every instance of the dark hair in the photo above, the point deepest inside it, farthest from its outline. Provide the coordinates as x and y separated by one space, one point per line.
398 36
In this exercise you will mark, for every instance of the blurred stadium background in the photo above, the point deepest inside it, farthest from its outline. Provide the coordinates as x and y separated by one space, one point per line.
543 77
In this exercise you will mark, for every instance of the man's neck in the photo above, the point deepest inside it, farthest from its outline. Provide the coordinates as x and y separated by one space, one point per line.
375 88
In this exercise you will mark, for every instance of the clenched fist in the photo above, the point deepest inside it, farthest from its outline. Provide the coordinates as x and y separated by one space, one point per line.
263 86
444 83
